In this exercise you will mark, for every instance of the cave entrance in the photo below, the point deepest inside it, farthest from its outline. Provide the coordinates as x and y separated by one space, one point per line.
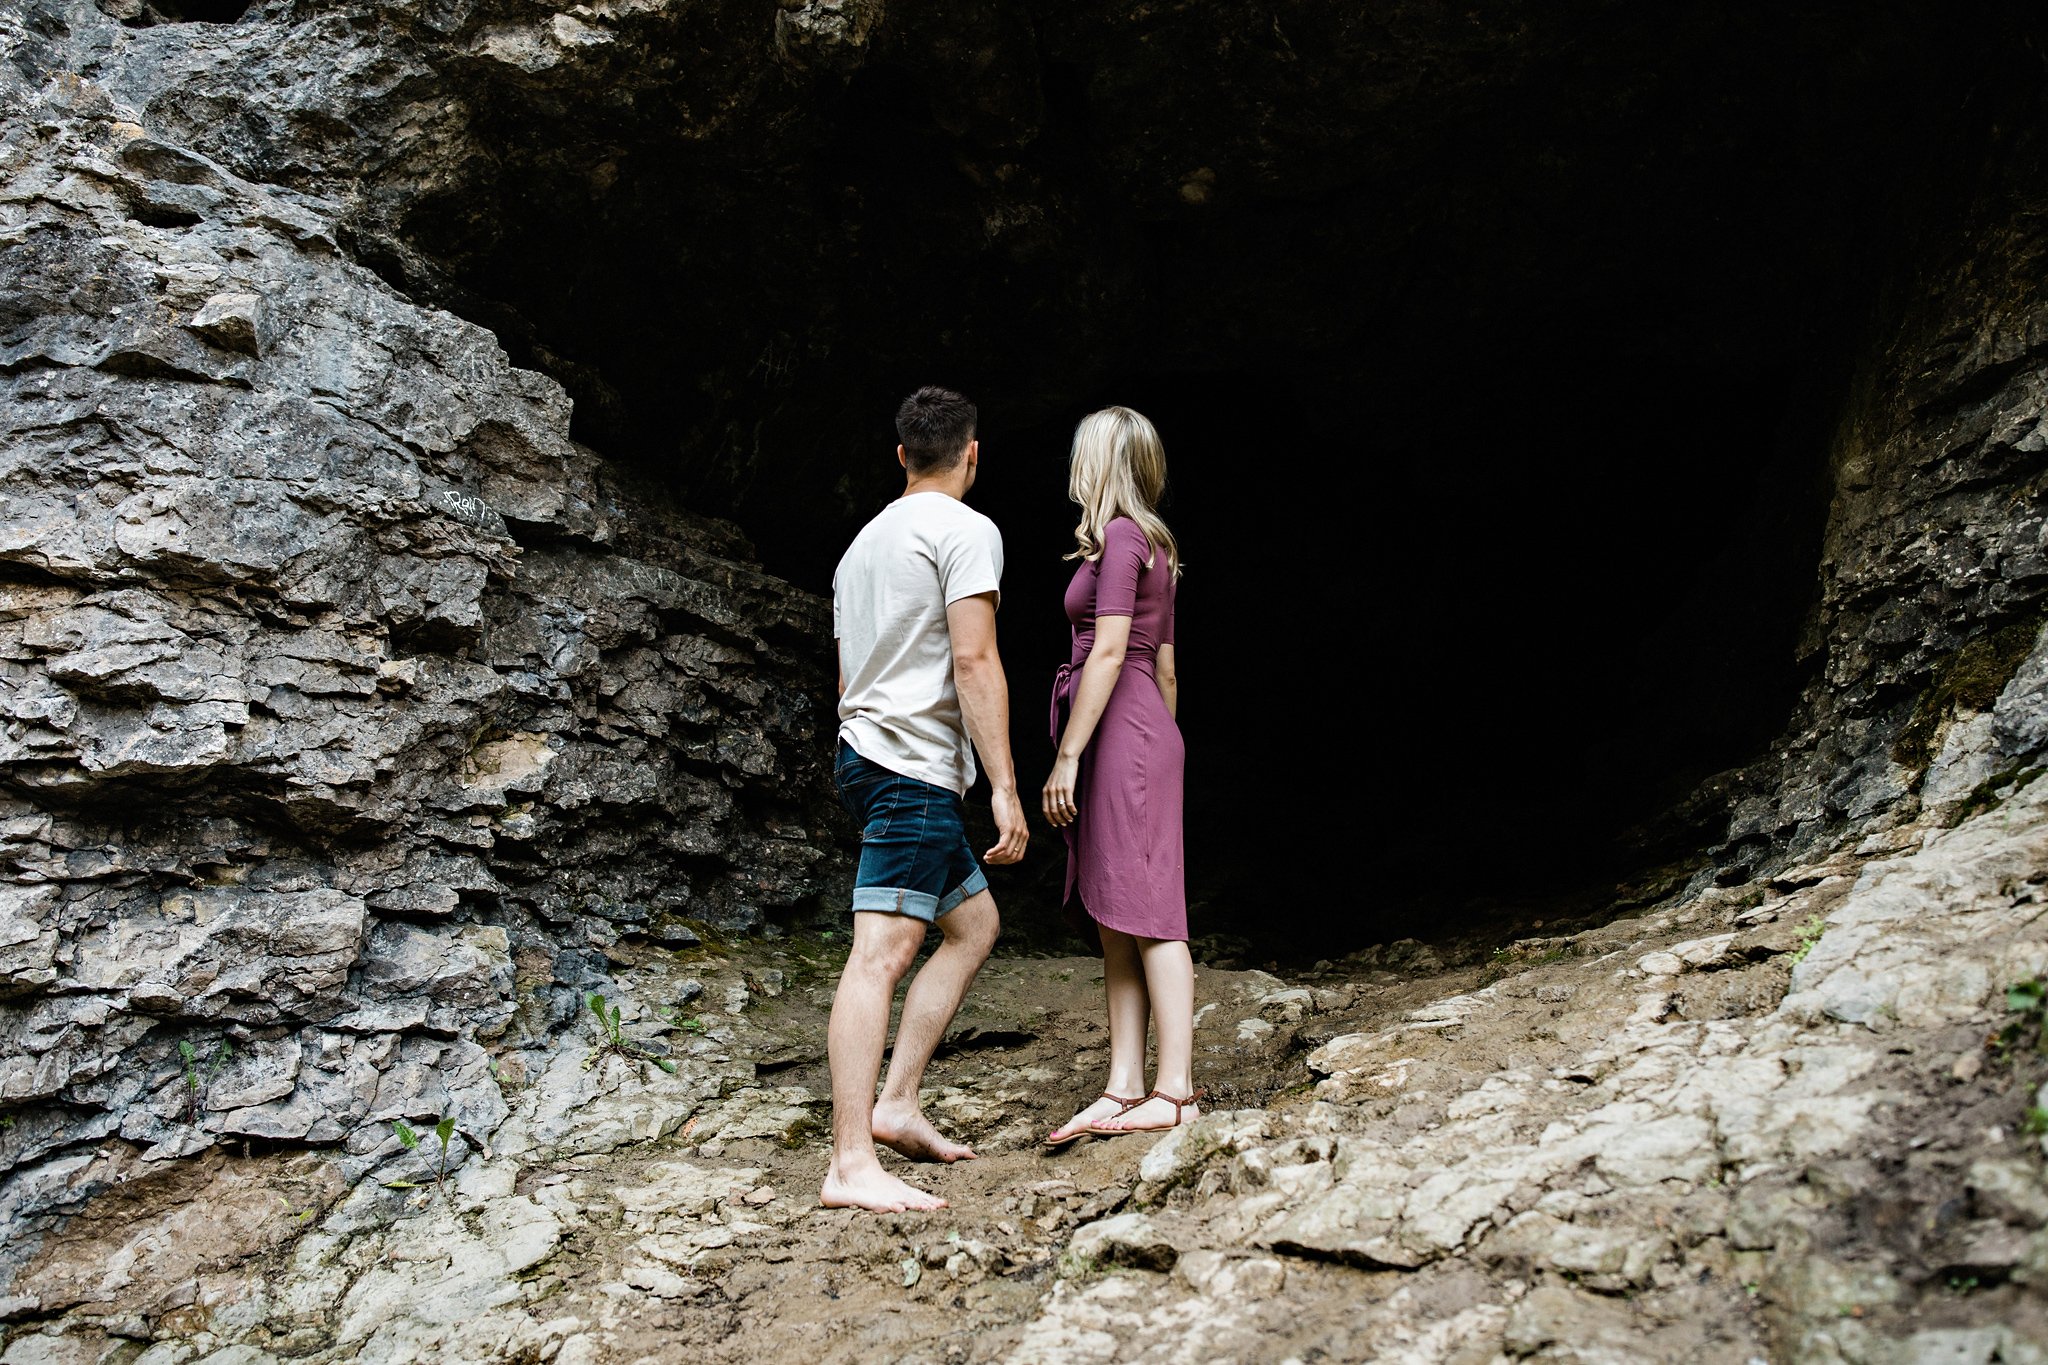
1454 639
146 13
1497 367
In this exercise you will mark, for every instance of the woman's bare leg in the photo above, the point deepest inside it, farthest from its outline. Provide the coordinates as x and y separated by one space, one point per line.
1169 978
1129 1007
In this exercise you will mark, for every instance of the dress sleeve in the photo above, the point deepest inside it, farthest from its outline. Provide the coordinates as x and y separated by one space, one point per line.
1172 601
1124 552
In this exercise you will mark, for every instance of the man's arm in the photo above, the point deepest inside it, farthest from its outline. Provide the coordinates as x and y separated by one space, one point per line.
985 707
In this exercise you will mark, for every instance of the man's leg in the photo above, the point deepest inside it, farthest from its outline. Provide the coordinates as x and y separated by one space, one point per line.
928 1006
884 946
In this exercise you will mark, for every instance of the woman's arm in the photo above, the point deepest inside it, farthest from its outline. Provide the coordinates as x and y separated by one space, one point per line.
1169 685
1091 697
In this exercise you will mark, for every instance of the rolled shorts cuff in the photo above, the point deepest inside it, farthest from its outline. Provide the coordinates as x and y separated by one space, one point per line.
975 884
894 900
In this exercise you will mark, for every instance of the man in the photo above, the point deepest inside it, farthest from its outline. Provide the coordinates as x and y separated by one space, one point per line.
921 692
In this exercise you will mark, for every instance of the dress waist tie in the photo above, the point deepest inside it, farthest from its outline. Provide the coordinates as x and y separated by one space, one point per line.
1068 677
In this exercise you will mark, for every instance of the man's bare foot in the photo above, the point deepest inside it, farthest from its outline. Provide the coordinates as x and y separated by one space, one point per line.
876 1191
909 1133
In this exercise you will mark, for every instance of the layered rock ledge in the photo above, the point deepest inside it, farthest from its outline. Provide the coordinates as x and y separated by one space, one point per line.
353 712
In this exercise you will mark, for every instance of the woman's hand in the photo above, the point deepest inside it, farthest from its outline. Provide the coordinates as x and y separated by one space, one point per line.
1059 791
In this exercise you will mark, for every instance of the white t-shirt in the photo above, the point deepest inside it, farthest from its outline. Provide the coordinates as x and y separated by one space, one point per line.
918 555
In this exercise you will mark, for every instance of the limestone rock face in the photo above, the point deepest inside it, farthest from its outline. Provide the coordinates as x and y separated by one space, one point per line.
349 709
1925 649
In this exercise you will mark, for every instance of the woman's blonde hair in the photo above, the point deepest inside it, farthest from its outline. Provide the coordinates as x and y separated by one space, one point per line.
1117 468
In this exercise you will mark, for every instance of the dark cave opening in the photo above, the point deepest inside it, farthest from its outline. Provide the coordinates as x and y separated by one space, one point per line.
1499 411
146 13
1430 669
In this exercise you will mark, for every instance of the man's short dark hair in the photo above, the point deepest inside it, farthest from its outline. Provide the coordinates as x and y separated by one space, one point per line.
934 425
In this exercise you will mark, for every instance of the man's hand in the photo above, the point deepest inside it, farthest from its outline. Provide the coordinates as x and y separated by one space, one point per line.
1012 833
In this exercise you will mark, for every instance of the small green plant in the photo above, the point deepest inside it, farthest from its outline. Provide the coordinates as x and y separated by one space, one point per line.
410 1140
2034 1122
688 1023
2027 1002
6 1122
1962 1284
1079 1266
196 1077
614 1037
1809 934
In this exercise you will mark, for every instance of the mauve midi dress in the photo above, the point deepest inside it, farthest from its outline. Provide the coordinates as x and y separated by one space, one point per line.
1124 855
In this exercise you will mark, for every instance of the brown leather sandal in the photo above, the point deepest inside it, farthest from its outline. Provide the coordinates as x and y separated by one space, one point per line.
1178 1105
1053 1139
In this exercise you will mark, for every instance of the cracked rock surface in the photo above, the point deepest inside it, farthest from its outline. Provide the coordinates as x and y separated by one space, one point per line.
350 712
1786 1120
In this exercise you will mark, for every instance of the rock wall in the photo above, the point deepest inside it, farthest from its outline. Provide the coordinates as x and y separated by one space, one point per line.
1925 651
352 710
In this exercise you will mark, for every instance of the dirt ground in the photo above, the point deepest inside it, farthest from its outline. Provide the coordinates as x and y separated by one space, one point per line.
702 1239
1027 1049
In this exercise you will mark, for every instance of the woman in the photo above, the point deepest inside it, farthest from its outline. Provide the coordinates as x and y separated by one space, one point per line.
1115 787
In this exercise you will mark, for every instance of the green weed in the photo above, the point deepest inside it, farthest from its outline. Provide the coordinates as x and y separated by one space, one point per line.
688 1023
2027 1002
614 1037
410 1140
1075 1266
196 1076
1809 934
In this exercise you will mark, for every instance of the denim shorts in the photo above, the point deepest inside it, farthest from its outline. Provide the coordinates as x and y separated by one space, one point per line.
914 857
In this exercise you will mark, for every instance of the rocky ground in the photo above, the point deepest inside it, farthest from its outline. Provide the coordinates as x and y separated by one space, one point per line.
1792 1120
